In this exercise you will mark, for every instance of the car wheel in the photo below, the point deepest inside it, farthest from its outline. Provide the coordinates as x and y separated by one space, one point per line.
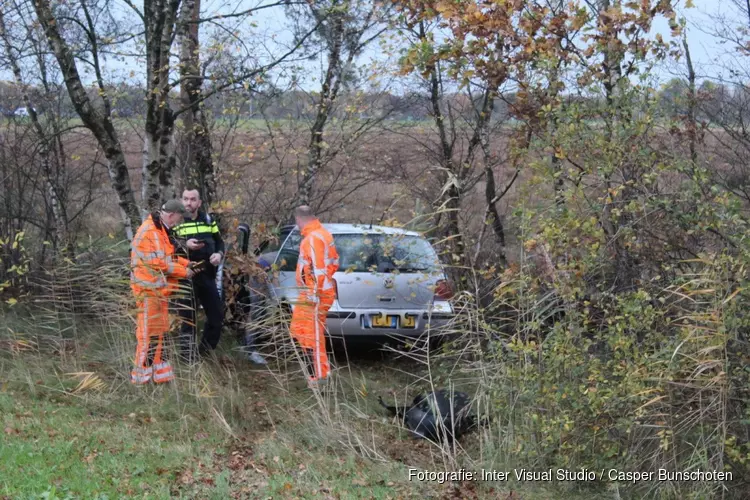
436 342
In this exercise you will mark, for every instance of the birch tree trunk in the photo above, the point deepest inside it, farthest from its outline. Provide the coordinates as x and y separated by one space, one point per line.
158 149
53 191
328 94
98 121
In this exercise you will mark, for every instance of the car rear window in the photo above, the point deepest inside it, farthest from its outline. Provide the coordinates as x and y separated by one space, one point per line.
361 253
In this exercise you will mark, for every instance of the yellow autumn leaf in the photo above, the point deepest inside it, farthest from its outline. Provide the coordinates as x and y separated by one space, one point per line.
443 7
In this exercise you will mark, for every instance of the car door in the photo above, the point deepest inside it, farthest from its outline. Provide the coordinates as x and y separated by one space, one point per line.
286 266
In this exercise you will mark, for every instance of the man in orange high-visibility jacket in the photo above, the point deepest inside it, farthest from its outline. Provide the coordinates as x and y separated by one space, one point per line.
318 261
155 272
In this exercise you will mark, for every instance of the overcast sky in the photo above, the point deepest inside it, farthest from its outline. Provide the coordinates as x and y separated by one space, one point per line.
272 28
708 54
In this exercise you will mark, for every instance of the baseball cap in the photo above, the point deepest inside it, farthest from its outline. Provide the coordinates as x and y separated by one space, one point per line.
174 206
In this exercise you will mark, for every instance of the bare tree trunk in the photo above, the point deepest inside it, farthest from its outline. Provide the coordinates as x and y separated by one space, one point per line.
342 27
555 160
158 150
57 147
557 168
553 91
692 102
198 150
492 197
491 194
450 200
614 115
329 91
611 70
96 120
58 216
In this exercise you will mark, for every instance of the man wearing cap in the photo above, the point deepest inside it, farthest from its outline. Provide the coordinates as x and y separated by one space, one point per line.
203 243
155 271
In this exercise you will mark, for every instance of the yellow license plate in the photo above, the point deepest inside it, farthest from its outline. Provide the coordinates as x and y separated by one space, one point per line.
409 322
384 321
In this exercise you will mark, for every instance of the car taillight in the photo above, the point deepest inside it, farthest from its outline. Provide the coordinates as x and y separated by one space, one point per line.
335 288
443 290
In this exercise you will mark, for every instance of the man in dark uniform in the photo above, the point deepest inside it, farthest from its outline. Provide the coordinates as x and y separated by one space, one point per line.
202 241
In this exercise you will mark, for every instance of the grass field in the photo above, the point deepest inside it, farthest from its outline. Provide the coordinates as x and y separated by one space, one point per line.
74 427
226 431
63 447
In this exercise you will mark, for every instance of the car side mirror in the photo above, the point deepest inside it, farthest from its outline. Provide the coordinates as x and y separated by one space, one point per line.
244 237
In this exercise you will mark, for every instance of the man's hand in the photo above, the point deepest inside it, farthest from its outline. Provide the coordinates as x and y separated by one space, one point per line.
190 273
215 259
195 244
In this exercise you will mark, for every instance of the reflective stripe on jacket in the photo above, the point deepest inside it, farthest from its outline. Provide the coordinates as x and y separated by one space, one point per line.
154 267
203 228
318 260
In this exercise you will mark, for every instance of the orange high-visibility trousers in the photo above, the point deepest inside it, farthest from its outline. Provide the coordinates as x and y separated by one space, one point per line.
153 324
308 329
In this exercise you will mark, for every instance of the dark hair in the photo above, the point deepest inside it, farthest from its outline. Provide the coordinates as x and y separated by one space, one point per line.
193 187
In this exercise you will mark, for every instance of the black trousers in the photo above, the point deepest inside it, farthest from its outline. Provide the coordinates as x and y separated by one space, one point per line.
203 292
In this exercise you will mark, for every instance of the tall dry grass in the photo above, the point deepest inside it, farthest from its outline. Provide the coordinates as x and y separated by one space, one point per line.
652 382
76 337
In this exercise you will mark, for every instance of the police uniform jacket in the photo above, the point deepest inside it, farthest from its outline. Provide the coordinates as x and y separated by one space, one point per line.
205 229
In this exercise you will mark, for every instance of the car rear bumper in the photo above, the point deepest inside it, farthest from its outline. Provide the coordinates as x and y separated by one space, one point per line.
348 324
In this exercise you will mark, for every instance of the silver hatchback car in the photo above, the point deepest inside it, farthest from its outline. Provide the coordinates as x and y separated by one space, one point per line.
390 283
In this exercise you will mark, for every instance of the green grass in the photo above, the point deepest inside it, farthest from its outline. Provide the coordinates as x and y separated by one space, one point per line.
224 431
53 445
84 448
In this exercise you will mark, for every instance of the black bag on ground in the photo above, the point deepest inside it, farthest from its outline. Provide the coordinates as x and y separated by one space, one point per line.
439 415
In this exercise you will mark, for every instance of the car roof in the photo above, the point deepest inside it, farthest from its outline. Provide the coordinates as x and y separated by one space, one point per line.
335 228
